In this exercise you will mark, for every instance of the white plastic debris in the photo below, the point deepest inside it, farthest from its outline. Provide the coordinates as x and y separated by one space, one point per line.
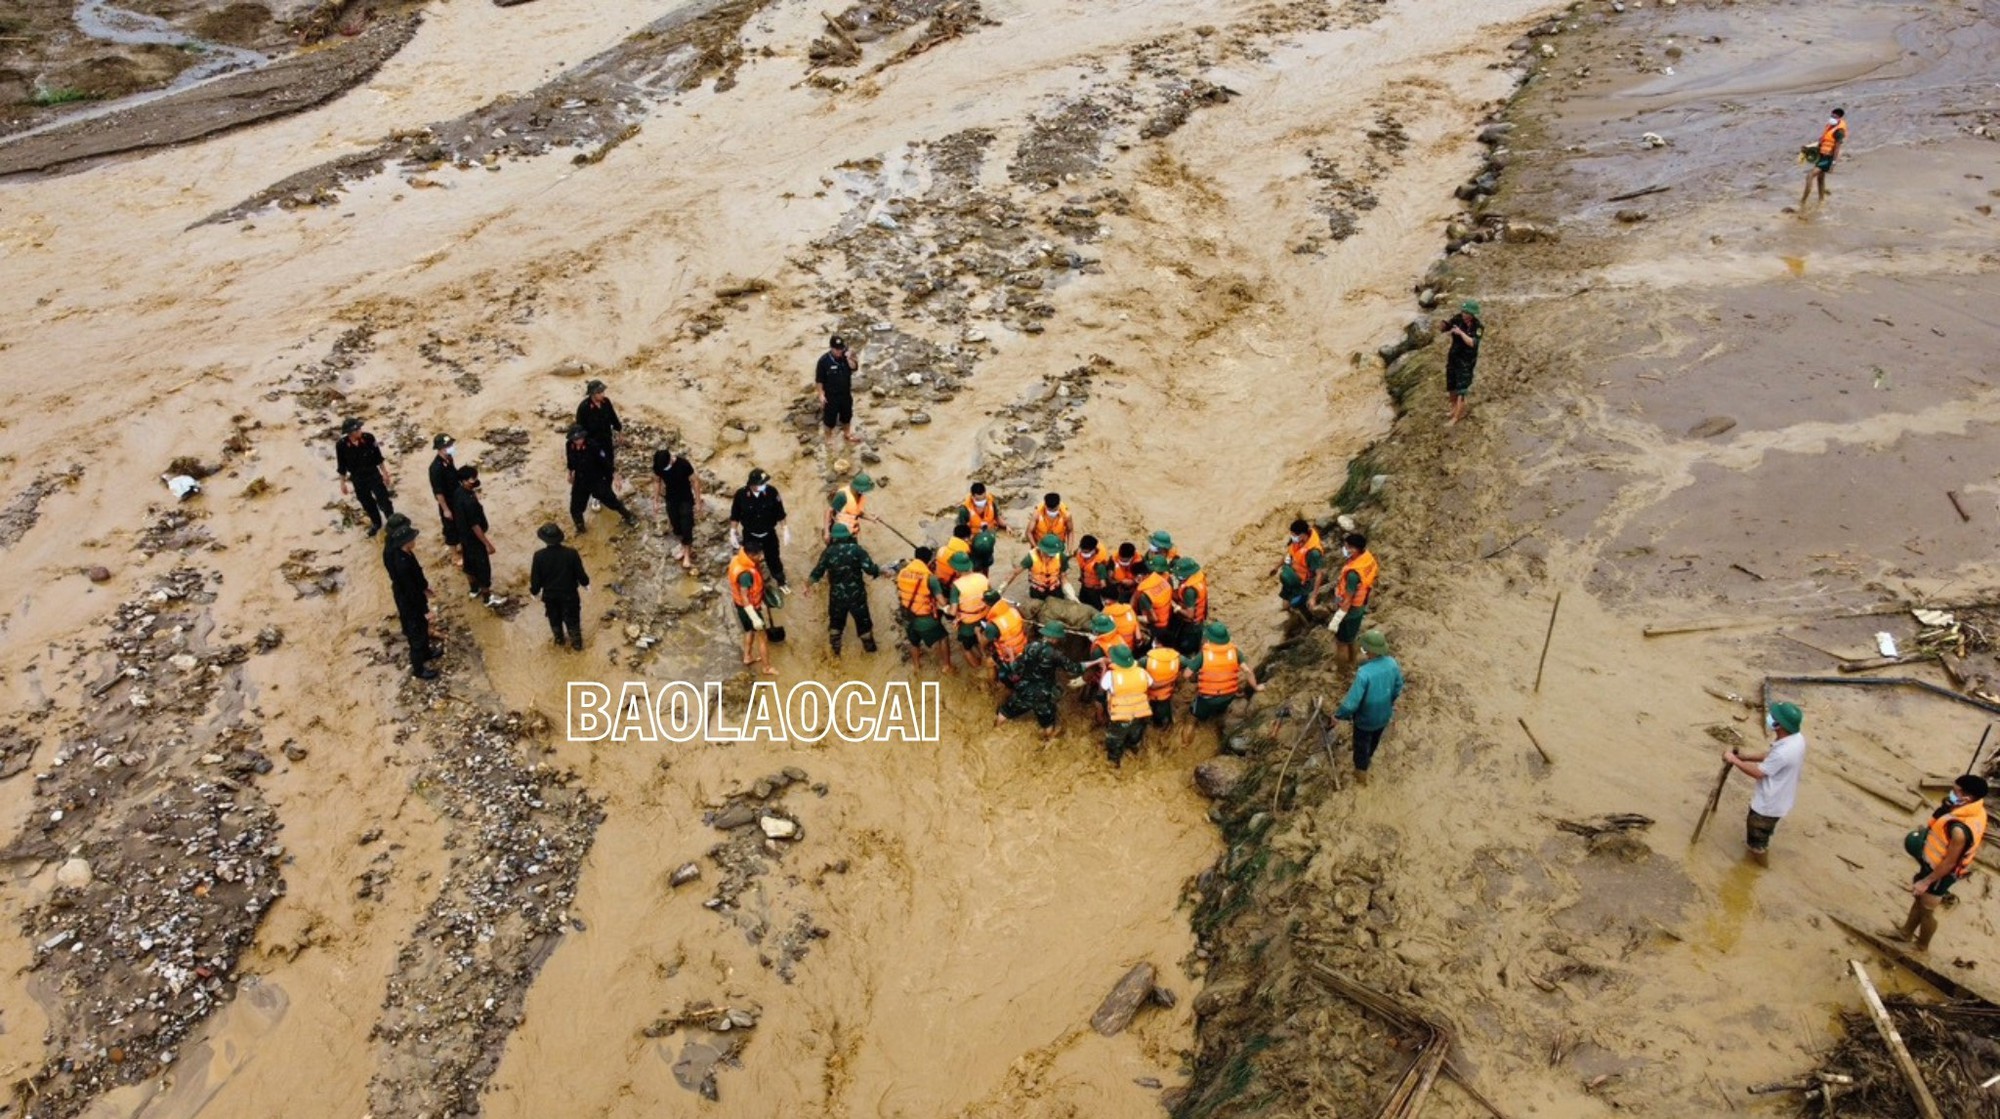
182 486
1885 644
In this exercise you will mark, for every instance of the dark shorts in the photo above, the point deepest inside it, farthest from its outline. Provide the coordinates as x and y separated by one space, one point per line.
838 411
743 620
1941 887
1122 737
1822 163
1014 708
1350 626
924 631
1207 707
1163 712
1092 597
1757 830
1458 380
968 636
680 515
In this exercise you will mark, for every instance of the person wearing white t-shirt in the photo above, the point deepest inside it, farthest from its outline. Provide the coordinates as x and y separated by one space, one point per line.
1776 771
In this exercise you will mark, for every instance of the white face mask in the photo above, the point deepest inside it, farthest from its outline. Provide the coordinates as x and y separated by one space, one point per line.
1770 724
449 452
979 501
757 490
1346 552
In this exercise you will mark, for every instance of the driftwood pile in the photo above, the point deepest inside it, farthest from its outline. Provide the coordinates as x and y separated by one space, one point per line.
1955 1046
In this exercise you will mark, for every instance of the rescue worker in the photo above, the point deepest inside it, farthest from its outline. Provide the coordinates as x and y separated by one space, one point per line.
1154 599
746 591
1123 574
920 601
1125 620
980 512
1462 359
757 524
678 487
1038 676
444 483
983 543
846 566
1352 587
1371 700
1104 637
960 544
845 507
1162 545
1190 585
470 514
1051 518
598 418
1944 850
1044 567
358 459
557 577
833 379
412 593
967 597
1126 707
1163 675
1820 156
1299 573
1219 674
1776 771
1005 632
590 476
1092 578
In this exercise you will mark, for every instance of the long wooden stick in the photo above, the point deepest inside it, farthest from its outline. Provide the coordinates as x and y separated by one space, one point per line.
1971 766
1714 798
1538 742
1887 1025
1546 638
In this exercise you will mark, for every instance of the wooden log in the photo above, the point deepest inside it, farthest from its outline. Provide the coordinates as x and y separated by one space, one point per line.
1132 992
1950 985
1873 663
1894 1039
1631 194
1714 799
1907 801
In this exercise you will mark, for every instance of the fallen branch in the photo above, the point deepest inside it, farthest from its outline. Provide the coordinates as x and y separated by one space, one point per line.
1962 514
1887 1026
1631 194
1405 1019
1889 682
1508 545
1546 639
1874 663
1538 742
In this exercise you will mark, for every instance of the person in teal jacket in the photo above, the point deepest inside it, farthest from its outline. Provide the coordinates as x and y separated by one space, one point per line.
1371 702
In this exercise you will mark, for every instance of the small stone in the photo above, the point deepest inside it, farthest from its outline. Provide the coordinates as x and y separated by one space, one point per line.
975 336
683 874
735 435
74 874
918 419
914 378
794 773
1630 217
734 816
294 751
99 574
183 661
633 632
1711 427
1147 1082
777 827
742 1019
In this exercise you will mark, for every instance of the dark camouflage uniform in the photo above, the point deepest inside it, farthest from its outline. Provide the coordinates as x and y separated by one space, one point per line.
846 566
1038 683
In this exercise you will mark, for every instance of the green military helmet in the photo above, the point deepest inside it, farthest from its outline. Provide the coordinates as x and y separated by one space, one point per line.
1156 563
1053 630
960 561
862 483
1375 643
1216 633
1051 545
1121 656
1184 567
1102 624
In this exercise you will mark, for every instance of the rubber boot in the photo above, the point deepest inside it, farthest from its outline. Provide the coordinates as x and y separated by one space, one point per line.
833 642
868 642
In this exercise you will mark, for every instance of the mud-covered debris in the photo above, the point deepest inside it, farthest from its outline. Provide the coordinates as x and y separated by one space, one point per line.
1219 777
1132 992
684 874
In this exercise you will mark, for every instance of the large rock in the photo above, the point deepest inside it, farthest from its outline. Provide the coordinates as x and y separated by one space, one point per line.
1220 776
73 874
1124 1001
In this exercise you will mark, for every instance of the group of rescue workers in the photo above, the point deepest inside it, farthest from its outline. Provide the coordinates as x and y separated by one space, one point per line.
1141 618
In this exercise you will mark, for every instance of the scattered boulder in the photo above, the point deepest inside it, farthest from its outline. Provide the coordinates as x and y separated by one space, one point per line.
74 874
684 874
734 816
1711 427
1631 217
99 574
777 827
1524 233
1132 992
1220 776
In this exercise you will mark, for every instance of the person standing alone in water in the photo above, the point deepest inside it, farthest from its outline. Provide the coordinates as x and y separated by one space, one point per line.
1820 155
1465 330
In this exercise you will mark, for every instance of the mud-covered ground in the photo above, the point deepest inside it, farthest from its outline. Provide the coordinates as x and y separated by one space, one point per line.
1702 413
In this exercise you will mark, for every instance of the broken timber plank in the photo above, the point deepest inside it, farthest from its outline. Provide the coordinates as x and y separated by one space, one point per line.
1894 1039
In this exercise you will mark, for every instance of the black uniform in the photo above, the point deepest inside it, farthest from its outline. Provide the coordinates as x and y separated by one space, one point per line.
557 575
470 514
759 516
444 483
361 464
590 467
677 475
1463 358
599 421
412 592
835 377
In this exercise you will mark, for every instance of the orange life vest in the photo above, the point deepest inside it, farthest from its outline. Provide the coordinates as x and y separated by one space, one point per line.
1088 573
1013 636
942 565
1832 136
1159 596
913 589
982 519
1163 668
1365 566
1125 575
1199 611
1046 523
1296 553
849 513
1103 643
1221 671
1125 618
1045 571
753 596
1127 702
1938 844
971 588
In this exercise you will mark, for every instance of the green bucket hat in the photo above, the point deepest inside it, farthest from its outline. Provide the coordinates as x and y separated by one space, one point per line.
1185 566
1102 624
842 532
1156 563
961 562
1051 545
1053 629
1470 306
1375 643
862 483
1216 633
1121 656
1161 541
1788 716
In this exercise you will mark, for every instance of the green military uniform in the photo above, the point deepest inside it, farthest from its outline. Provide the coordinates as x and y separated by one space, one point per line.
846 565
983 543
1038 676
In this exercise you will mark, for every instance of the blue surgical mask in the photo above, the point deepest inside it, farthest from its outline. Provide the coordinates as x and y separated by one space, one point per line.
1953 798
